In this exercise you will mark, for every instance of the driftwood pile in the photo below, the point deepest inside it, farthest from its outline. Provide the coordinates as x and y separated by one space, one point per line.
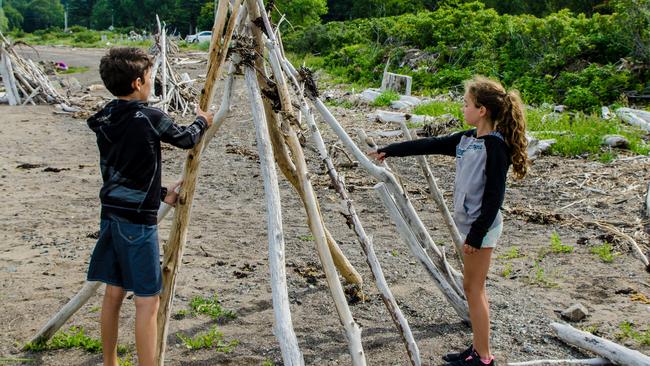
24 81
171 91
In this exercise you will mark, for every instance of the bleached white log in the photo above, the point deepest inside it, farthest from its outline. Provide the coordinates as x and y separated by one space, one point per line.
635 117
163 55
420 253
614 352
86 292
7 78
587 361
399 117
283 325
366 242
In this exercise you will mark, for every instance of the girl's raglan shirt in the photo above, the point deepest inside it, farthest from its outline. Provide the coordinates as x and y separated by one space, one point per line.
481 169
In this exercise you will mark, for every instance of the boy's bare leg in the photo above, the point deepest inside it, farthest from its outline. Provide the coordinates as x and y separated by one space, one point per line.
476 268
146 311
110 316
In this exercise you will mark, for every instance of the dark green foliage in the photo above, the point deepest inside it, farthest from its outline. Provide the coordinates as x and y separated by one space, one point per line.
563 58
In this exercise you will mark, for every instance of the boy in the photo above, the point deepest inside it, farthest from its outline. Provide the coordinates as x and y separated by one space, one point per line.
126 256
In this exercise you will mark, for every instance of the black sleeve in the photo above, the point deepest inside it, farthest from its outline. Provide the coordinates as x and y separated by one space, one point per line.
163 193
496 171
445 145
184 137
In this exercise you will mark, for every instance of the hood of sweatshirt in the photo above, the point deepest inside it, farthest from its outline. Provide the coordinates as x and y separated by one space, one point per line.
112 121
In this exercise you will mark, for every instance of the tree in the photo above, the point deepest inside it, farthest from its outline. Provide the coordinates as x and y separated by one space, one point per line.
206 17
4 22
102 14
41 14
302 13
80 12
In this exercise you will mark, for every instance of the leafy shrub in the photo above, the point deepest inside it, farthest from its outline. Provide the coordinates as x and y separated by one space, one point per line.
562 58
385 98
87 37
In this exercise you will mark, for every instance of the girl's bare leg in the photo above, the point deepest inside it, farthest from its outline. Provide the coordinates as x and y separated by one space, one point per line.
476 268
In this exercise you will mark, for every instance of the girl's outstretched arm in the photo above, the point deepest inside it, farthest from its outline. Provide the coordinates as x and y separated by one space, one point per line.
445 145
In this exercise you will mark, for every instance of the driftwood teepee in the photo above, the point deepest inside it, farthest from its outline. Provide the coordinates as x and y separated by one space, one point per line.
24 81
281 103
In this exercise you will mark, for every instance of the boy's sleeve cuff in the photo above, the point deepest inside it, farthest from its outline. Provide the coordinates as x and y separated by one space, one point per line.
204 122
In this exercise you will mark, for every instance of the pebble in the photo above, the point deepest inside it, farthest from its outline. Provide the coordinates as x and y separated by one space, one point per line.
575 312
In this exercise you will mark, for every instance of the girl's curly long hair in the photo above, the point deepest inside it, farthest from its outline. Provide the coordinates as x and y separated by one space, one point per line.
506 111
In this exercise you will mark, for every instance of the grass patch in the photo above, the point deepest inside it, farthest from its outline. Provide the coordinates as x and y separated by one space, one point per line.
437 108
212 340
308 237
604 252
557 246
211 307
339 103
539 278
385 98
507 270
75 337
628 332
74 70
512 253
581 134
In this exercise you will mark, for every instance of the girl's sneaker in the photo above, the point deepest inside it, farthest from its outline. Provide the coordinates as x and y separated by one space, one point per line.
473 360
455 356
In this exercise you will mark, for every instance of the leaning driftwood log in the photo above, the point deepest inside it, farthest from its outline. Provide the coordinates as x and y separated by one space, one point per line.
283 326
178 233
614 352
24 81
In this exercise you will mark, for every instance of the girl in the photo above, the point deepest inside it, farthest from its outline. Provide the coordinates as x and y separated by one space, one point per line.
483 156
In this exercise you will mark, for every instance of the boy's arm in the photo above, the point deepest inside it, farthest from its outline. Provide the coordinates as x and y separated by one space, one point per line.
496 172
445 145
184 137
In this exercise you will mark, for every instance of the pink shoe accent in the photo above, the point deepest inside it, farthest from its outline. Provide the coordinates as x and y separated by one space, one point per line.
486 361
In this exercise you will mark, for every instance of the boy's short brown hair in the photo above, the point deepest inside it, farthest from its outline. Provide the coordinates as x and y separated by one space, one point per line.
121 66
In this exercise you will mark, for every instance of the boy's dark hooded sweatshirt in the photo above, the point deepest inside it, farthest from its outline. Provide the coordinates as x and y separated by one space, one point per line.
128 136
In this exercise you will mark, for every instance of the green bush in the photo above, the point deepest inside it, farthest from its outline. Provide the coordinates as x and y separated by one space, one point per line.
87 37
561 58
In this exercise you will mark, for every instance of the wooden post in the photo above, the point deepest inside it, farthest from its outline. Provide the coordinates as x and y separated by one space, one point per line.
283 326
178 234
